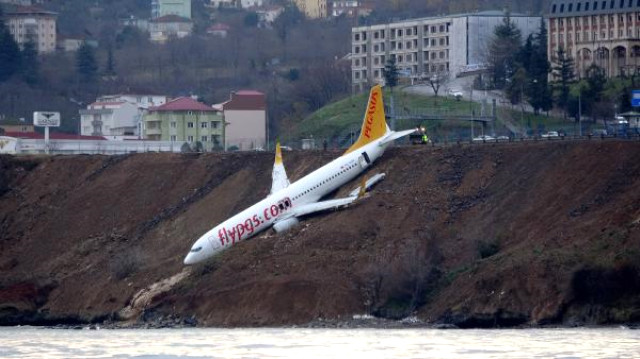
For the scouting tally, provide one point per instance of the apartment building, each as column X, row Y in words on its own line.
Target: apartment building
column 313, row 9
column 185, row 119
column 245, row 116
column 427, row 45
column 113, row 120
column 30, row 23
column 603, row 32
column 168, row 26
column 349, row 8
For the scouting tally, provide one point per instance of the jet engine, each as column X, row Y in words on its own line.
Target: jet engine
column 286, row 224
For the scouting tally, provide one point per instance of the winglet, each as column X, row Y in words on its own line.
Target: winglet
column 374, row 125
column 279, row 175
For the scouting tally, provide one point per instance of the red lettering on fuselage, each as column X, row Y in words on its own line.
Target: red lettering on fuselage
column 221, row 236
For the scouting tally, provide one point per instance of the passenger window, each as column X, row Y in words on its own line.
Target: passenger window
column 281, row 206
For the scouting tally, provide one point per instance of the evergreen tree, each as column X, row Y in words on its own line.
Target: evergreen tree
column 390, row 73
column 110, row 67
column 9, row 52
column 539, row 92
column 564, row 76
column 86, row 63
column 30, row 68
column 502, row 59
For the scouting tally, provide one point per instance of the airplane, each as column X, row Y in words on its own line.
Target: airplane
column 287, row 202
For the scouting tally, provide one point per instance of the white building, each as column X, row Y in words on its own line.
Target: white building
column 160, row 8
column 245, row 4
column 428, row 45
column 113, row 120
column 165, row 27
column 118, row 117
column 217, row 4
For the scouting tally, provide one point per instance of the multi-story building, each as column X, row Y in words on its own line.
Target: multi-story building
column 165, row 27
column 113, row 120
column 245, row 116
column 604, row 32
column 426, row 46
column 313, row 9
column 29, row 23
column 185, row 119
column 160, row 8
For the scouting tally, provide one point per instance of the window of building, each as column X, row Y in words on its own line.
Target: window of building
column 356, row 37
column 433, row 42
column 203, row 125
column 356, row 49
column 408, row 32
column 174, row 124
column 578, row 7
column 441, row 28
column 570, row 9
column 433, row 29
column 356, row 62
column 174, row 138
column 190, row 138
column 399, row 46
column 189, row 124
column 561, row 8
column 442, row 54
column 399, row 32
column 376, row 74
column 364, row 48
column 190, row 113
column 399, row 59
column 442, row 41
column 425, row 29
column 611, row 4
column 376, row 48
column 408, row 45
column 586, row 6
column 204, row 138
column 376, row 35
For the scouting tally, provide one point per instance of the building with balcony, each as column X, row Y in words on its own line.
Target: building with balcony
column 427, row 46
column 245, row 116
column 113, row 120
column 604, row 32
column 313, row 9
column 185, row 119
column 168, row 26
column 29, row 23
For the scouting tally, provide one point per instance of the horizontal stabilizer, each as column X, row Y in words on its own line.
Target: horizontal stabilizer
column 395, row 135
column 370, row 182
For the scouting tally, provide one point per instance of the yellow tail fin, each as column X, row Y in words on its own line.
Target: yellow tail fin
column 374, row 125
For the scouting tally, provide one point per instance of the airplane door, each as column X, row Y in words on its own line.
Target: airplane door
column 364, row 160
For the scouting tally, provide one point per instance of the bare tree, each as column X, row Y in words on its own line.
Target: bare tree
column 437, row 80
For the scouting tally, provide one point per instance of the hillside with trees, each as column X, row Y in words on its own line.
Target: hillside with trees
column 299, row 63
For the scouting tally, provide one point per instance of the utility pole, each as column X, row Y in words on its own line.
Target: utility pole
column 580, row 112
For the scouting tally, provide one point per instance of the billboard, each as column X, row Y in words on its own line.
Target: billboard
column 46, row 119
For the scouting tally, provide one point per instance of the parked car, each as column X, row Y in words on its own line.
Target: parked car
column 550, row 134
column 455, row 93
column 599, row 132
column 483, row 138
column 502, row 138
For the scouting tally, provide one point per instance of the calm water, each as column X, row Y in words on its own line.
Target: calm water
column 28, row 342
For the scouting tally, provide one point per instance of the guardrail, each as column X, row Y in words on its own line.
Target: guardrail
column 535, row 139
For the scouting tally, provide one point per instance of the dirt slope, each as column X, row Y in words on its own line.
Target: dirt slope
column 479, row 236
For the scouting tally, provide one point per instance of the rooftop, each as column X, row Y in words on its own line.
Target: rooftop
column 182, row 104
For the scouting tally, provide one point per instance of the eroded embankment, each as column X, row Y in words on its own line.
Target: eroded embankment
column 477, row 236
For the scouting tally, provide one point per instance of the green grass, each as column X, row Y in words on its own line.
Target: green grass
column 339, row 119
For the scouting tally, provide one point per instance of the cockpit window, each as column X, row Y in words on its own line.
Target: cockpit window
column 194, row 250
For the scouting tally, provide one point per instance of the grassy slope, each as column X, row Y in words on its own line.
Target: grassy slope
column 339, row 118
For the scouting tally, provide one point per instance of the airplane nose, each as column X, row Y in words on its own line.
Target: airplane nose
column 188, row 260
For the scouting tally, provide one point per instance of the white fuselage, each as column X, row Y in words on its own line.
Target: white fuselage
column 265, row 213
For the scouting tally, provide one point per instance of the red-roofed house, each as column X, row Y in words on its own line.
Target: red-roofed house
column 245, row 115
column 162, row 28
column 185, row 119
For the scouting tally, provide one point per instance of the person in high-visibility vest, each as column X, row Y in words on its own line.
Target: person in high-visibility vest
column 425, row 139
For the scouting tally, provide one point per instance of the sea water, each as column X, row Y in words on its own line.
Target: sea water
column 32, row 342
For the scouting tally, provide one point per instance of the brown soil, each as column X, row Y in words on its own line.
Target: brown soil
column 476, row 236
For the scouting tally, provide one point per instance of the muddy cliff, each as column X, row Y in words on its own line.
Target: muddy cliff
column 493, row 235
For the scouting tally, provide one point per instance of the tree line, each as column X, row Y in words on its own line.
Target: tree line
column 524, row 76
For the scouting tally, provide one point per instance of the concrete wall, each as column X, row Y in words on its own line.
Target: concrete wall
column 246, row 129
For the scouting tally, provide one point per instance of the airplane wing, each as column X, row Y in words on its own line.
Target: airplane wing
column 279, row 176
